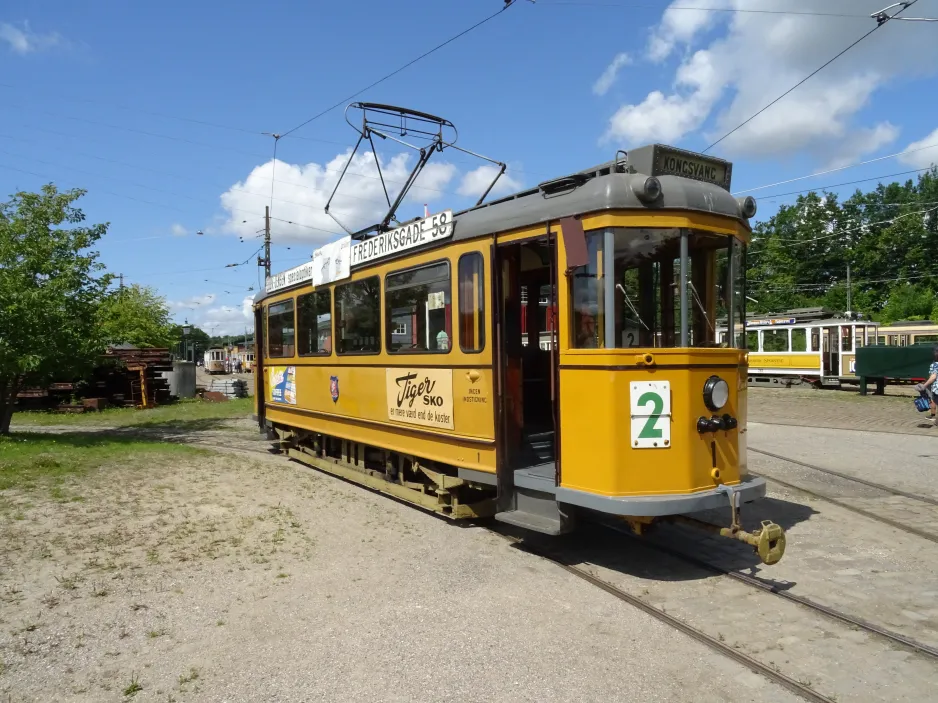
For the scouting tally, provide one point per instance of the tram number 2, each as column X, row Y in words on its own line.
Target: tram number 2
column 650, row 403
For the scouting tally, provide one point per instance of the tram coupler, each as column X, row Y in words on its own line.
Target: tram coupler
column 769, row 542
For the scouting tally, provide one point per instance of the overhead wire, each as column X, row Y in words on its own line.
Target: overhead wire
column 393, row 73
column 560, row 3
column 879, row 24
column 791, row 243
column 839, row 168
column 65, row 96
column 846, row 183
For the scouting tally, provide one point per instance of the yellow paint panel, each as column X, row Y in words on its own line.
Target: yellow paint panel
column 785, row 361
column 597, row 455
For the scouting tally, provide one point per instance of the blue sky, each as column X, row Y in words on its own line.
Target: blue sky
column 158, row 111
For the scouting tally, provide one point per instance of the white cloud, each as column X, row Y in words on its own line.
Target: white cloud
column 679, row 26
column 668, row 118
column 24, row 41
column 861, row 142
column 195, row 302
column 301, row 193
column 753, row 58
column 475, row 182
column 178, row 230
column 220, row 319
column 605, row 81
column 922, row 155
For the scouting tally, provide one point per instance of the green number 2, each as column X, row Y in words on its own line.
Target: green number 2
column 649, row 431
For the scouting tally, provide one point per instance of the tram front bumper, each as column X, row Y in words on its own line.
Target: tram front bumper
column 747, row 491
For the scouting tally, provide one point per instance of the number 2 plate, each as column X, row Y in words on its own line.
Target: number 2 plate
column 650, row 405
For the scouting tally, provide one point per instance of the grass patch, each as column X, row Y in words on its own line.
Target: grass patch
column 183, row 411
column 29, row 461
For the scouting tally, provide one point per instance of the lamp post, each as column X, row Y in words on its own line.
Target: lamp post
column 186, row 329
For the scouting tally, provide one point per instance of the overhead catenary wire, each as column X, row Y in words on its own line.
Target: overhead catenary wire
column 790, row 243
column 839, row 168
column 880, row 22
column 508, row 3
column 733, row 10
column 846, row 183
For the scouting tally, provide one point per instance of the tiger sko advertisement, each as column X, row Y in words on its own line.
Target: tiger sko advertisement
column 421, row 397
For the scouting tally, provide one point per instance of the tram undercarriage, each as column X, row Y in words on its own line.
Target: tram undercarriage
column 464, row 494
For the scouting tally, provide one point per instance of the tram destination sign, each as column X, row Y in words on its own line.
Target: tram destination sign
column 410, row 236
column 285, row 279
column 659, row 160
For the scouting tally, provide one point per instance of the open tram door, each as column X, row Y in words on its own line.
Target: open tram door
column 525, row 295
column 830, row 356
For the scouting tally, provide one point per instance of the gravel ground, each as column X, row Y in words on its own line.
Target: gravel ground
column 908, row 463
column 255, row 579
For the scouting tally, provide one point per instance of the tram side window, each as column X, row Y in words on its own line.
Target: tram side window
column 280, row 329
column 314, row 323
column 752, row 341
column 471, row 303
column 799, row 340
column 358, row 317
column 846, row 339
column 419, row 301
column 775, row 340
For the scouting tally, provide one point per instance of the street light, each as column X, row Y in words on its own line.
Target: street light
column 186, row 329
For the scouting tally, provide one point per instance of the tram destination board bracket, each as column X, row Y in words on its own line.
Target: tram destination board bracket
column 660, row 160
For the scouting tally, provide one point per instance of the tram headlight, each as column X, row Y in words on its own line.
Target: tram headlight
column 716, row 392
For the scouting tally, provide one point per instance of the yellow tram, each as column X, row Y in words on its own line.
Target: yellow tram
column 397, row 361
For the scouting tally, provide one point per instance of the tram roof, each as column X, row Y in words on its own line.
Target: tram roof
column 608, row 186
column 593, row 190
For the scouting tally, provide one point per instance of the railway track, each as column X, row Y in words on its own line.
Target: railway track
column 921, row 431
column 872, row 628
column 847, row 506
column 716, row 644
column 798, row 688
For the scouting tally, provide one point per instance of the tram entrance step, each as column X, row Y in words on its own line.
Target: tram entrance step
column 530, row 521
column 534, row 507
column 539, row 478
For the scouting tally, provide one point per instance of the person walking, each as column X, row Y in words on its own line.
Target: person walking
column 931, row 386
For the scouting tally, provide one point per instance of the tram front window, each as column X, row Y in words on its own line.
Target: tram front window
column 629, row 293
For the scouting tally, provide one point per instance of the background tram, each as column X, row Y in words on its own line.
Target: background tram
column 215, row 361
column 907, row 333
column 806, row 345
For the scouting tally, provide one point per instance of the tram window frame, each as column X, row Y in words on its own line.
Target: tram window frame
column 338, row 322
column 391, row 288
column 281, row 314
column 803, row 340
column 300, row 328
column 779, row 335
column 649, row 281
column 846, row 339
column 474, row 311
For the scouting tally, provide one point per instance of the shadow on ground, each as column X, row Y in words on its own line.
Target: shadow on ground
column 667, row 551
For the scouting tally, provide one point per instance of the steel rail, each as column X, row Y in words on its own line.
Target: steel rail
column 873, row 628
column 753, row 665
column 848, row 477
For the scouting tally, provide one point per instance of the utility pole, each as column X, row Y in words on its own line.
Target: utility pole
column 849, row 291
column 122, row 282
column 265, row 262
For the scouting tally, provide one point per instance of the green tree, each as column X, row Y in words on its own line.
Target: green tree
column 50, row 287
column 909, row 302
column 136, row 315
column 799, row 256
